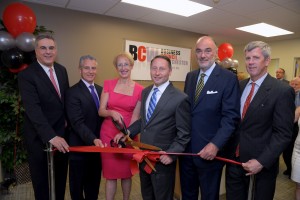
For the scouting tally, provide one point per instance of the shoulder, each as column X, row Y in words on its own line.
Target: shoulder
column 176, row 92
column 59, row 65
column 139, row 86
column 98, row 87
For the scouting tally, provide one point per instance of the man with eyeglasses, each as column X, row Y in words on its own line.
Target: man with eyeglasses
column 82, row 104
column 42, row 86
column 214, row 96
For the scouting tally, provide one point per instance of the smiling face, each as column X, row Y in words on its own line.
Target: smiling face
column 123, row 67
column 206, row 52
column 256, row 63
column 88, row 70
column 46, row 51
column 160, row 71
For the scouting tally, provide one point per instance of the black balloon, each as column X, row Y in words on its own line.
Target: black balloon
column 12, row 58
column 29, row 57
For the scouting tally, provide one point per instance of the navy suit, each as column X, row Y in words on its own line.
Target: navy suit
column 214, row 118
column 263, row 134
column 44, row 119
column 85, row 168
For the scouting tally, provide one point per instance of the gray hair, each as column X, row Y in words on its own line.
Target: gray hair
column 265, row 48
column 86, row 57
column 44, row 36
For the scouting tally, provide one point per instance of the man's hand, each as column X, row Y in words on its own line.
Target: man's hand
column 209, row 152
column 60, row 144
column 252, row 167
column 165, row 159
column 98, row 143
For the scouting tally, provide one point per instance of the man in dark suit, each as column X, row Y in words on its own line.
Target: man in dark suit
column 82, row 104
column 42, row 86
column 280, row 74
column 215, row 114
column 264, row 131
column 168, row 127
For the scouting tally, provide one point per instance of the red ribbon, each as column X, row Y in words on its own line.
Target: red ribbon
column 139, row 155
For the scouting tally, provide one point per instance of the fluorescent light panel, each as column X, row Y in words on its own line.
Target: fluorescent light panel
column 265, row 30
column 179, row 7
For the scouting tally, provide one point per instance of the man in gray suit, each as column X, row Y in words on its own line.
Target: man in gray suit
column 164, row 123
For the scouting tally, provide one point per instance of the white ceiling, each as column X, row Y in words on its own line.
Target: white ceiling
column 219, row 22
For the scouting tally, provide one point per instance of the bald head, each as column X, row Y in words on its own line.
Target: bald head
column 295, row 83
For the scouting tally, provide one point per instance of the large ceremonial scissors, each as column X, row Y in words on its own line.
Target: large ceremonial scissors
column 134, row 144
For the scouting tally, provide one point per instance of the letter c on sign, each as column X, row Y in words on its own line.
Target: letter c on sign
column 141, row 53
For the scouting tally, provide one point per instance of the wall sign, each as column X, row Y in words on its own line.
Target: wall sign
column 143, row 53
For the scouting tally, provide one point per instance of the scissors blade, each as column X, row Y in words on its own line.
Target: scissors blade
column 142, row 145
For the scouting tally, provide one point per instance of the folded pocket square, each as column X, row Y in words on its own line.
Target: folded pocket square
column 211, row 92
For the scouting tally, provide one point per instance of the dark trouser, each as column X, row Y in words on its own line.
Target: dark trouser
column 39, row 173
column 288, row 152
column 237, row 184
column 158, row 185
column 192, row 177
column 84, row 177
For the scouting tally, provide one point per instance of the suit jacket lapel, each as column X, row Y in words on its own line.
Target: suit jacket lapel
column 86, row 93
column 261, row 94
column 44, row 78
column 162, row 101
column 209, row 85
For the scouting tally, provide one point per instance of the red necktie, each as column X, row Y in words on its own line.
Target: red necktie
column 248, row 100
column 53, row 81
column 245, row 108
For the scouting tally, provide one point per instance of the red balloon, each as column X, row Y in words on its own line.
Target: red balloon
column 19, row 18
column 23, row 66
column 225, row 50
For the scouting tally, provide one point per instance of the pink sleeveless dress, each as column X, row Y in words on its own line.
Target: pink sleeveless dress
column 117, row 166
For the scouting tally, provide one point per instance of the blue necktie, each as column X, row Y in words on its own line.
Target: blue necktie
column 152, row 104
column 94, row 96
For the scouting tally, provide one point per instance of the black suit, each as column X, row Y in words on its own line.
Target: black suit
column 169, row 129
column 85, row 168
column 44, row 119
column 263, row 134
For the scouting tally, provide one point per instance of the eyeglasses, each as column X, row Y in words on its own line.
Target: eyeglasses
column 89, row 68
column 123, row 65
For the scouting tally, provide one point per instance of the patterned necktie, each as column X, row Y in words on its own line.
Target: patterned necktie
column 199, row 87
column 152, row 104
column 53, row 81
column 245, row 108
column 248, row 100
column 96, row 100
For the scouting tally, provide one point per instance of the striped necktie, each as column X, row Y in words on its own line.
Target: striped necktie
column 199, row 87
column 152, row 104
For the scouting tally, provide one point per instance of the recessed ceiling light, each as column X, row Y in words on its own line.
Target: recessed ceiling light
column 179, row 7
column 265, row 30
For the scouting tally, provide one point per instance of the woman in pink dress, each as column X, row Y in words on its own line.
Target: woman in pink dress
column 120, row 98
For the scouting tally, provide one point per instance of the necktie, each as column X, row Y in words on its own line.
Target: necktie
column 53, row 81
column 245, row 108
column 199, row 87
column 248, row 100
column 96, row 100
column 152, row 104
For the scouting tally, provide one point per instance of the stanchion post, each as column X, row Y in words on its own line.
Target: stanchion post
column 51, row 176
